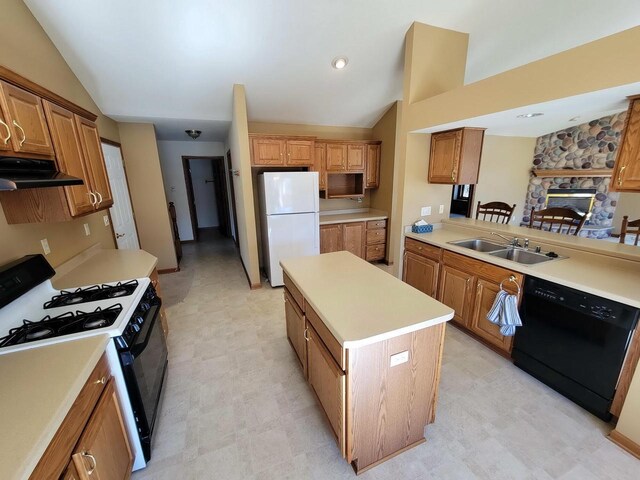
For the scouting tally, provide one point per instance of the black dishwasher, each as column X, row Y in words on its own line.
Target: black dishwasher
column 574, row 342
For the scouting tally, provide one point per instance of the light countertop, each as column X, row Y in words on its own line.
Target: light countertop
column 39, row 386
column 591, row 268
column 348, row 216
column 358, row 302
column 97, row 265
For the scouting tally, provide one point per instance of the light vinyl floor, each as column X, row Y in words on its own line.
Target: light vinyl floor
column 237, row 407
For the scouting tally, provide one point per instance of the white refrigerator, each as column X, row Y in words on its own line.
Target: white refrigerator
column 289, row 218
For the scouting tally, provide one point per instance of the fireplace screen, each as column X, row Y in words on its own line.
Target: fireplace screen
column 579, row 199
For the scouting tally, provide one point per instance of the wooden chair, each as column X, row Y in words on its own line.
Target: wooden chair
column 557, row 216
column 630, row 228
column 498, row 212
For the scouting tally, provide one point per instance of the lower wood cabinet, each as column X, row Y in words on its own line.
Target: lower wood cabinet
column 353, row 235
column 366, row 240
column 103, row 451
column 467, row 285
column 331, row 238
column 92, row 442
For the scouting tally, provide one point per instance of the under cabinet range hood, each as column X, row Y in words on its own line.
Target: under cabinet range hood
column 21, row 173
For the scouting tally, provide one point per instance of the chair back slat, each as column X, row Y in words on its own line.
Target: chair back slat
column 630, row 228
column 556, row 219
column 498, row 212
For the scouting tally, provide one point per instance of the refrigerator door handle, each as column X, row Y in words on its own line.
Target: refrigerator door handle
column 316, row 236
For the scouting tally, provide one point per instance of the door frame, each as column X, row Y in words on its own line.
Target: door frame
column 220, row 184
column 126, row 177
column 232, row 196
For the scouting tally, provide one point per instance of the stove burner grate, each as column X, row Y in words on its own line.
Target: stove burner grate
column 92, row 294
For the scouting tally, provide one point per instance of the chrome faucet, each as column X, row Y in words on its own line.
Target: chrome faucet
column 513, row 241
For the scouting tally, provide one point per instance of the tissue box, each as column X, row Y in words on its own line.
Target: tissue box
column 422, row 228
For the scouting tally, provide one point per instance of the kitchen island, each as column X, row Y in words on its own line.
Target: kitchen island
column 370, row 347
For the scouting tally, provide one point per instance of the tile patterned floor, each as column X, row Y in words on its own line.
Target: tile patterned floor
column 236, row 405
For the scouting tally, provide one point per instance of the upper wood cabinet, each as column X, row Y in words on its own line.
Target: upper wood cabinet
column 373, row 166
column 336, row 157
column 276, row 151
column 92, row 150
column 455, row 156
column 103, row 451
column 356, row 157
column 25, row 119
column 626, row 173
column 5, row 131
column 319, row 164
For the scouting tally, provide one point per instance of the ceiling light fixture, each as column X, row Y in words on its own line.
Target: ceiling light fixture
column 339, row 62
column 193, row 133
column 530, row 115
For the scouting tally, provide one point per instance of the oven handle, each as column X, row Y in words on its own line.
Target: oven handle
column 138, row 347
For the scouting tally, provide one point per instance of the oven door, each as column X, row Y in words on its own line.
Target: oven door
column 144, row 366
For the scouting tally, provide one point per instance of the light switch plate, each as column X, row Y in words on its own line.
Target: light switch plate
column 45, row 246
column 441, row 210
column 106, row 220
column 425, row 212
column 399, row 358
column 87, row 230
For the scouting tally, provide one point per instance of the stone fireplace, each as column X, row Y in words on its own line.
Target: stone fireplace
column 579, row 199
column 586, row 147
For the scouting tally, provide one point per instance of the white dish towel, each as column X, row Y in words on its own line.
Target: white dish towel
column 504, row 313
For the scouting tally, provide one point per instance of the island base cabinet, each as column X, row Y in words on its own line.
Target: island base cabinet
column 382, row 421
column 103, row 451
column 328, row 383
column 296, row 329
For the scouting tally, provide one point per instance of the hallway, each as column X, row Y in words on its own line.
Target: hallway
column 237, row 407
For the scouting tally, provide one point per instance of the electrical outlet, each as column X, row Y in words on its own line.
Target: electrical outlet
column 425, row 211
column 45, row 246
column 87, row 230
column 407, row 229
column 441, row 209
column 399, row 358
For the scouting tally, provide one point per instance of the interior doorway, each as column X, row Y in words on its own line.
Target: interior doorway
column 234, row 225
column 207, row 196
column 461, row 201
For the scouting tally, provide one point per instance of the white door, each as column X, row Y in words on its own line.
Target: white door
column 290, row 192
column 295, row 235
column 124, row 225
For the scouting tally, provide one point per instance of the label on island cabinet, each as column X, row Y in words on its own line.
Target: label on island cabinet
column 399, row 358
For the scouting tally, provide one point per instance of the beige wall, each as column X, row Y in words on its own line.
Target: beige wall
column 504, row 172
column 320, row 131
column 27, row 50
column 628, row 204
column 238, row 143
column 140, row 152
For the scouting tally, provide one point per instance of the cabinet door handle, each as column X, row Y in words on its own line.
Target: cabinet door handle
column 101, row 381
column 99, row 198
column 620, row 175
column 94, row 464
column 6, row 139
column 24, row 136
column 453, row 175
column 305, row 334
column 94, row 199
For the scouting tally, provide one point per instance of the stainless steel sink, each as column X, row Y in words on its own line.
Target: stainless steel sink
column 479, row 245
column 522, row 256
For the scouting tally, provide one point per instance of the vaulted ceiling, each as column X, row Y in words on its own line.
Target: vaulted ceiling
column 162, row 59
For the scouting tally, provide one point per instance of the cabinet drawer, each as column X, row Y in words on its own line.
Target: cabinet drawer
column 56, row 456
column 481, row 269
column 334, row 347
column 376, row 235
column 375, row 252
column 293, row 290
column 377, row 224
column 421, row 248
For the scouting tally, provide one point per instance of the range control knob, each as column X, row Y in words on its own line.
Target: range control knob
column 134, row 328
column 144, row 306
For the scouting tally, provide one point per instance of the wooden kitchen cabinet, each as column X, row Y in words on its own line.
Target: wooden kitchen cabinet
column 356, row 157
column 626, row 172
column 336, row 157
column 282, row 151
column 92, row 151
column 354, row 234
column 25, row 118
column 486, row 292
column 331, row 239
column 455, row 156
column 327, row 380
column 103, row 451
column 456, row 291
column 5, row 131
column 296, row 328
column 319, row 164
column 421, row 273
column 376, row 244
column 373, row 166
column 71, row 473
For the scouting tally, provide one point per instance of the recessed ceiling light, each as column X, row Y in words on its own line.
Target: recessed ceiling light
column 339, row 62
column 529, row 115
